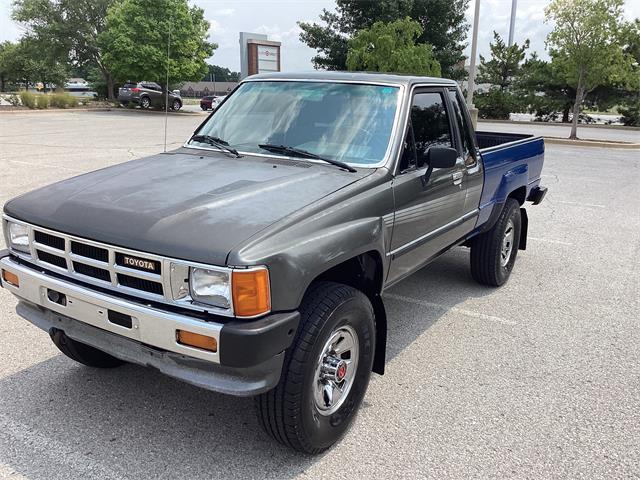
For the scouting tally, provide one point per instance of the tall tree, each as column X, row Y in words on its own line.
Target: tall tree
column 221, row 74
column 392, row 47
column 443, row 23
column 586, row 43
column 69, row 29
column 136, row 35
column 500, row 71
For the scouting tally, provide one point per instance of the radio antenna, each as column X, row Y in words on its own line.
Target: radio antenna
column 166, row 100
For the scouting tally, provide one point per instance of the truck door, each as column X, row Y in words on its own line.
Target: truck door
column 428, row 212
column 472, row 180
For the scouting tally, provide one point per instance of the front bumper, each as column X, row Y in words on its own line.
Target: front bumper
column 249, row 356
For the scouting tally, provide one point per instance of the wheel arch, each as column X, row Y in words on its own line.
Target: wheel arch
column 364, row 272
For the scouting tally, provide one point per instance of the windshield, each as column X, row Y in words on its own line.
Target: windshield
column 342, row 121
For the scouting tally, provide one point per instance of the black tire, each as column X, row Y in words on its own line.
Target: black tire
column 288, row 413
column 176, row 105
column 487, row 263
column 145, row 102
column 83, row 353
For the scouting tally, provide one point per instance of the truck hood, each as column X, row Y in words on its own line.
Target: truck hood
column 193, row 206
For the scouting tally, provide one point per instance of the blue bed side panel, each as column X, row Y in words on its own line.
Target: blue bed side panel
column 508, row 167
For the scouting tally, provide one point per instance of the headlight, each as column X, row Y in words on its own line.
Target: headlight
column 18, row 236
column 211, row 287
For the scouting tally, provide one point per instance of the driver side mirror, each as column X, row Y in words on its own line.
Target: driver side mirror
column 442, row 157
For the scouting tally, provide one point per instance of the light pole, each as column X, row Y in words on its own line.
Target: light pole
column 472, row 66
column 514, row 5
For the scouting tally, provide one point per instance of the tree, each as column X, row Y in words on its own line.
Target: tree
column 630, row 109
column 586, row 44
column 7, row 55
column 221, row 74
column 135, row 39
column 391, row 47
column 442, row 21
column 69, row 29
column 501, row 71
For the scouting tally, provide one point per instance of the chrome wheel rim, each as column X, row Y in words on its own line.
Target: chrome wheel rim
column 507, row 244
column 145, row 102
column 336, row 369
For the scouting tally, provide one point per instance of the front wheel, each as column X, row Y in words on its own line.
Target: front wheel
column 493, row 253
column 326, row 370
column 177, row 105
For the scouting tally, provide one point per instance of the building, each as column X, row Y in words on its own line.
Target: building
column 200, row 89
column 258, row 54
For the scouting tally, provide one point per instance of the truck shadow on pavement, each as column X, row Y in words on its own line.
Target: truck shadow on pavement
column 62, row 420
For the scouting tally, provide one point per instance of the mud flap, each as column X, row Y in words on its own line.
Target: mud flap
column 524, row 228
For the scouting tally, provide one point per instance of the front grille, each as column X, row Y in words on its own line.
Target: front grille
column 140, row 284
column 52, row 259
column 90, row 251
column 91, row 271
column 49, row 240
column 132, row 274
column 100, row 263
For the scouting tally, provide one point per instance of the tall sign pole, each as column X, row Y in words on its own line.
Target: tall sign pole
column 514, row 6
column 472, row 64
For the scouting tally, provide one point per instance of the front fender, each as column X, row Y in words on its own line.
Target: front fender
column 296, row 259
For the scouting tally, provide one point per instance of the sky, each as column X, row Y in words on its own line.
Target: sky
column 277, row 19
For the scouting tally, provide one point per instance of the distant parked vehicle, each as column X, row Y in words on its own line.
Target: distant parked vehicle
column 210, row 102
column 147, row 95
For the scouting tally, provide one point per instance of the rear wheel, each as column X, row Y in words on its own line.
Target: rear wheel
column 83, row 353
column 326, row 370
column 493, row 253
column 145, row 102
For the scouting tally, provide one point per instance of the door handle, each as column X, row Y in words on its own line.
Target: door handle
column 457, row 177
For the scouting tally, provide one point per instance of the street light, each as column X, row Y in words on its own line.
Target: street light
column 472, row 66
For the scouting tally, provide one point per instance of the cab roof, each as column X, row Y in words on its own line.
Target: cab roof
column 366, row 77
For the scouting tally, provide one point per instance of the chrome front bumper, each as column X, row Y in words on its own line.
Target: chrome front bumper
column 149, row 325
column 251, row 364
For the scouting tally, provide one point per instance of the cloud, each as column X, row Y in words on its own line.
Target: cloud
column 224, row 12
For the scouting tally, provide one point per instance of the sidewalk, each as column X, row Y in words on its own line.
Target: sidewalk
column 562, row 131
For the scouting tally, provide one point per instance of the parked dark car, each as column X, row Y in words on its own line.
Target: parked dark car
column 147, row 95
column 210, row 102
column 252, row 260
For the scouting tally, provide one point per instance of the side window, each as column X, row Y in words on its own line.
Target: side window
column 408, row 159
column 468, row 148
column 430, row 124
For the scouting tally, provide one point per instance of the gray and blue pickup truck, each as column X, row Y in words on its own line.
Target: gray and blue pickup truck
column 252, row 260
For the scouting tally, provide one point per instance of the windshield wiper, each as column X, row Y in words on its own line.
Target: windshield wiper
column 298, row 152
column 216, row 142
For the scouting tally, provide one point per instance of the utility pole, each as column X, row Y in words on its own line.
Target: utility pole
column 514, row 5
column 472, row 65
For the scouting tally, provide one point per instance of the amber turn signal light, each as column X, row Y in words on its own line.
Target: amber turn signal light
column 10, row 278
column 196, row 340
column 251, row 295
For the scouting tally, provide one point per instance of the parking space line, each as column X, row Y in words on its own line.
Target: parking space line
column 548, row 240
column 462, row 311
column 580, row 204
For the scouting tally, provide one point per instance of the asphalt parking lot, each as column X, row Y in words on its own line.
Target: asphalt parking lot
column 538, row 379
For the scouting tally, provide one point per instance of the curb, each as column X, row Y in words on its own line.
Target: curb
column 98, row 109
column 590, row 143
column 556, row 124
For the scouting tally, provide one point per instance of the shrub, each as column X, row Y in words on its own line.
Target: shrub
column 63, row 100
column 42, row 101
column 28, row 99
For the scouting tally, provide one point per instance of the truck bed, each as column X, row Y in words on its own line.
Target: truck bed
column 510, row 160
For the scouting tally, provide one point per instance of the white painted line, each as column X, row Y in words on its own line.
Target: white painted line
column 38, row 164
column 548, row 240
column 580, row 204
column 462, row 311
column 33, row 443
